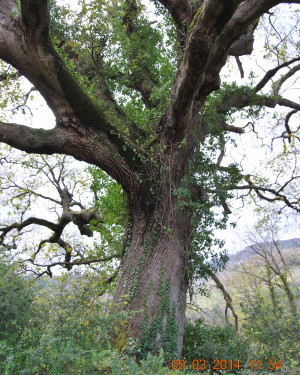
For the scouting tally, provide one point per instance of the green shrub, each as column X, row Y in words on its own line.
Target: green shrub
column 202, row 341
column 16, row 295
column 273, row 334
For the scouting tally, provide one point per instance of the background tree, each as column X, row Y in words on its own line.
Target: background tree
column 268, row 311
column 15, row 306
column 136, row 104
column 273, row 268
column 265, row 292
column 61, row 188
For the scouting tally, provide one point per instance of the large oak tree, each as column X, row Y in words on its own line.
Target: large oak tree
column 136, row 103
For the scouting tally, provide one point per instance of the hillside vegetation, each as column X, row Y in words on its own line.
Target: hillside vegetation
column 211, row 305
column 263, row 282
column 66, row 326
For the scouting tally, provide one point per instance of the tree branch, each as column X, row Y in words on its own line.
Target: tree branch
column 81, row 219
column 228, row 301
column 280, row 82
column 240, row 66
column 285, row 103
column 239, row 100
column 195, row 79
column 226, row 296
column 180, row 10
column 278, row 195
column 271, row 73
column 24, row 224
column 80, row 143
column 243, row 46
column 288, row 133
column 25, row 44
column 77, row 262
column 232, row 128
column 213, row 31
column 36, row 18
column 69, row 265
column 55, row 173
column 141, row 79
column 97, row 76
column 9, row 76
column 286, row 124
column 31, row 140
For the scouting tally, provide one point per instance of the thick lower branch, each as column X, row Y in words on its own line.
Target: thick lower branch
column 29, row 139
column 26, row 45
column 24, row 224
column 240, row 100
column 81, row 143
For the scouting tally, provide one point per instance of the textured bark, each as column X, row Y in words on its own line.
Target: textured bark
column 154, row 277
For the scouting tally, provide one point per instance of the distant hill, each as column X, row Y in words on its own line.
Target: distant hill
column 249, row 251
column 212, row 309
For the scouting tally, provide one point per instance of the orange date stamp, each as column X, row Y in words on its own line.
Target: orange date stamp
column 222, row 364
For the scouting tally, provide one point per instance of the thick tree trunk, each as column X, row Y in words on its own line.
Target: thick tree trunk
column 154, row 278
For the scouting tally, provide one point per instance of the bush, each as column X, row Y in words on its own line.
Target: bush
column 16, row 295
column 273, row 334
column 202, row 341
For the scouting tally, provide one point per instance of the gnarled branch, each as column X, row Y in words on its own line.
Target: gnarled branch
column 25, row 44
column 271, row 73
column 278, row 195
column 280, row 82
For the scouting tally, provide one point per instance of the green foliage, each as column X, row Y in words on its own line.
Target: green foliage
column 207, row 213
column 220, row 99
column 100, row 48
column 268, row 324
column 281, row 41
column 109, row 197
column 16, row 295
column 105, row 45
column 112, row 202
column 13, row 94
column 202, row 341
column 150, row 365
column 216, row 185
column 63, row 327
column 59, row 330
column 272, row 334
column 98, row 37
